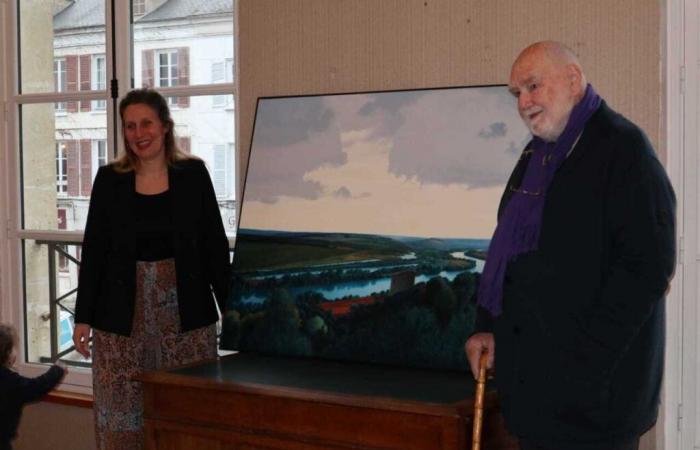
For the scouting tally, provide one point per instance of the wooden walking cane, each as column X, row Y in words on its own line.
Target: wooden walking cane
column 479, row 402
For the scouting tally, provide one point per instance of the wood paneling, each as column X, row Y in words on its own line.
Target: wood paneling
column 209, row 406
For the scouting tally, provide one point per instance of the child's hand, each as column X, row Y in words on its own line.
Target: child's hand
column 63, row 366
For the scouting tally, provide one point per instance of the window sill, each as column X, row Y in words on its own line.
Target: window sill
column 69, row 398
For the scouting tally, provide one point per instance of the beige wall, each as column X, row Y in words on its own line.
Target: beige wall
column 290, row 47
column 51, row 426
column 321, row 46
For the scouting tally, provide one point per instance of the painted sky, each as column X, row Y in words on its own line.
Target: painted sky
column 429, row 163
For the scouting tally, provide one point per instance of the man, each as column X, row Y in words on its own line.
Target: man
column 571, row 300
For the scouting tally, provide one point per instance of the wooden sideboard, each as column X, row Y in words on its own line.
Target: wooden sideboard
column 250, row 402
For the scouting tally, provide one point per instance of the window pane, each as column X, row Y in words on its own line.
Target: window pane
column 59, row 78
column 99, row 79
column 177, row 42
column 139, row 7
column 51, row 277
column 208, row 133
column 61, row 172
column 57, row 164
column 77, row 29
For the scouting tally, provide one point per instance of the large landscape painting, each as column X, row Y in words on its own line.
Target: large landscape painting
column 365, row 223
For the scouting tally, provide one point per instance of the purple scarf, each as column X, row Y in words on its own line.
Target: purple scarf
column 518, row 229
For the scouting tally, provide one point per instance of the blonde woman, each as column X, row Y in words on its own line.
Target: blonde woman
column 155, row 258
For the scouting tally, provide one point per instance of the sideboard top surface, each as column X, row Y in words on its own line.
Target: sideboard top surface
column 345, row 379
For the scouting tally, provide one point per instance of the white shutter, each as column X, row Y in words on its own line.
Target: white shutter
column 220, row 170
column 218, row 75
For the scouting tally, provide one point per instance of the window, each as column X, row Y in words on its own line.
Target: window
column 69, row 58
column 61, row 170
column 99, row 155
column 99, row 79
column 166, row 68
column 167, row 71
column 222, row 72
column 59, row 82
column 62, row 249
column 62, row 258
column 138, row 7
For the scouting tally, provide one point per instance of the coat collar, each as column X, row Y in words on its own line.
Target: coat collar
column 590, row 132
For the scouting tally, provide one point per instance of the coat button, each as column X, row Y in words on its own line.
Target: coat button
column 516, row 330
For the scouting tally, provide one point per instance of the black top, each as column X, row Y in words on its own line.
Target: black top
column 153, row 227
column 15, row 392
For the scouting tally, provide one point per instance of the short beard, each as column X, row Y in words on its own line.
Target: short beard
column 553, row 134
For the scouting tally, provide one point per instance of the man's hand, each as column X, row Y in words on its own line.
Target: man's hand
column 475, row 346
column 81, row 339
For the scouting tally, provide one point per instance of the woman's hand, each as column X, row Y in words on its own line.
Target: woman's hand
column 81, row 339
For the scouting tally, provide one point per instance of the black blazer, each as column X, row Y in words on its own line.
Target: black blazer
column 580, row 342
column 107, row 281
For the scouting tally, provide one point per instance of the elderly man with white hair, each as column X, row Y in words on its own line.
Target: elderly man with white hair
column 571, row 299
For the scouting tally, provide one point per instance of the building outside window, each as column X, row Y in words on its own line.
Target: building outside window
column 59, row 82
column 138, row 7
column 99, row 155
column 167, row 71
column 62, row 259
column 220, row 171
column 222, row 72
column 99, row 79
column 61, row 169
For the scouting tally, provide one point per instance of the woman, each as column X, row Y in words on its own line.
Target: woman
column 154, row 249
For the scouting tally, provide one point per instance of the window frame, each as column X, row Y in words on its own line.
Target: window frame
column 13, row 233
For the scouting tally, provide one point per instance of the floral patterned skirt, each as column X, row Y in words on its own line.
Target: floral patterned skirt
column 155, row 343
